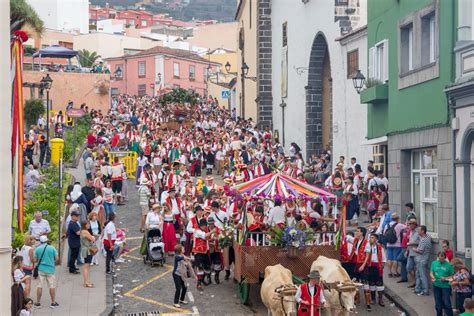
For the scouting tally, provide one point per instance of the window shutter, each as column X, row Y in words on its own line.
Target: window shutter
column 385, row 61
column 371, row 67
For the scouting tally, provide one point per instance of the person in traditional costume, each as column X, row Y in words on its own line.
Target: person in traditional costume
column 169, row 231
column 310, row 296
column 201, row 236
column 351, row 194
column 291, row 210
column 373, row 269
column 215, row 252
column 176, row 207
column 174, row 153
column 360, row 251
column 193, row 224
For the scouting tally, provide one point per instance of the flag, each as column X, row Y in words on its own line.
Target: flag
column 17, row 136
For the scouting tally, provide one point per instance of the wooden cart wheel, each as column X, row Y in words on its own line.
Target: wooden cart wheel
column 244, row 291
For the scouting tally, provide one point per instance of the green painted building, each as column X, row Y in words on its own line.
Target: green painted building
column 410, row 63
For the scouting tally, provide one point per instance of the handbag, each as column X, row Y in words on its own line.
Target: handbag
column 370, row 205
column 93, row 250
column 35, row 270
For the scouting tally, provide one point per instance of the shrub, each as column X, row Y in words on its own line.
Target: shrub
column 47, row 197
column 32, row 111
column 83, row 126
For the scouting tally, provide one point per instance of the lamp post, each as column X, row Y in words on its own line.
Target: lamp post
column 46, row 83
column 358, row 80
column 283, row 106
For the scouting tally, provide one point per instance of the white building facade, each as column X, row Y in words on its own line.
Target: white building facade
column 63, row 15
column 314, row 102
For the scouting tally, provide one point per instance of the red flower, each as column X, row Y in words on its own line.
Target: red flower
column 21, row 35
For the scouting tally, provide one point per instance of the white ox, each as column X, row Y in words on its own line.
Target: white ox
column 341, row 294
column 278, row 292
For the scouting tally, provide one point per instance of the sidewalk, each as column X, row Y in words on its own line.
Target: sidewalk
column 72, row 297
column 406, row 299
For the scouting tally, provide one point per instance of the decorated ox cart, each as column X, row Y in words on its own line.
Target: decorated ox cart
column 254, row 251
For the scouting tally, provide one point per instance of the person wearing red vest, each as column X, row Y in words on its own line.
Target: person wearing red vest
column 176, row 206
column 310, row 296
column 373, row 269
column 214, row 250
column 193, row 224
column 201, row 252
column 360, row 251
column 347, row 245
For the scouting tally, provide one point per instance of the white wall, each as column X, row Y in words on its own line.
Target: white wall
column 349, row 117
column 63, row 14
column 110, row 26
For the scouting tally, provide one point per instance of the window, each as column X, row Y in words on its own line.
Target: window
column 176, row 70
column 142, row 89
column 206, row 74
column 141, row 69
column 114, row 91
column 131, row 22
column 428, row 39
column 285, row 34
column 144, row 23
column 379, row 153
column 406, row 48
column 425, row 188
column 352, row 63
column 118, row 71
column 378, row 61
column 192, row 72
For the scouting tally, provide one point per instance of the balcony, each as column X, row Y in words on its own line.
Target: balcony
column 375, row 94
column 464, row 54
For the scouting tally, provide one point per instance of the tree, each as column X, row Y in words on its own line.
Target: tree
column 33, row 109
column 21, row 14
column 87, row 59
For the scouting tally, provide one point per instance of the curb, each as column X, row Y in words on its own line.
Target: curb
column 399, row 302
column 109, row 298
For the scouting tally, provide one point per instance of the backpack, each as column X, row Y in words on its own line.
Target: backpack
column 390, row 234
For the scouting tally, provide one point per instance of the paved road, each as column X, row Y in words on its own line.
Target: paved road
column 142, row 288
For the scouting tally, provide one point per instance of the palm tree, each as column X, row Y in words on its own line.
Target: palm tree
column 21, row 14
column 87, row 59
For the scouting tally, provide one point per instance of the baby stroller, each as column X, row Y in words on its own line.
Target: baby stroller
column 155, row 248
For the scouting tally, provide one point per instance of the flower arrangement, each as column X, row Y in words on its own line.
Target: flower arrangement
column 290, row 236
column 226, row 235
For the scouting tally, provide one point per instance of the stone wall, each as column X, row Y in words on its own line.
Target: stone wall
column 399, row 172
column 264, row 62
column 77, row 87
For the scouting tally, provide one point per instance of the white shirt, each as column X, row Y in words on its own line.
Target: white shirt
column 153, row 220
column 110, row 229
column 219, row 218
column 379, row 229
column 311, row 289
column 37, row 229
column 142, row 161
column 276, row 216
column 374, row 254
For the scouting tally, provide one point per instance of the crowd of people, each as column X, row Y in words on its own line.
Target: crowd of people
column 179, row 196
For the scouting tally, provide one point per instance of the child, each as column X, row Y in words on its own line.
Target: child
column 180, row 272
column 19, row 276
column 27, row 306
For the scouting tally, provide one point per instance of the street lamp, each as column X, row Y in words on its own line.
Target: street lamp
column 118, row 73
column 245, row 69
column 227, row 67
column 46, row 83
column 159, row 78
column 358, row 80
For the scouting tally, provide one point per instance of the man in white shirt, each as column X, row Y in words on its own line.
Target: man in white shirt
column 218, row 215
column 276, row 216
column 39, row 226
column 310, row 296
column 110, row 235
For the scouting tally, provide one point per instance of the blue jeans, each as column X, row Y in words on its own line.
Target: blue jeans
column 421, row 275
column 460, row 297
column 403, row 263
column 109, row 209
column 411, row 264
column 442, row 298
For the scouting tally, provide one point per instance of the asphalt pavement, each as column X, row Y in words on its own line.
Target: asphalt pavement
column 140, row 288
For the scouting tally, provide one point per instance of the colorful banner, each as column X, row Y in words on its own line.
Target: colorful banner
column 17, row 124
column 282, row 185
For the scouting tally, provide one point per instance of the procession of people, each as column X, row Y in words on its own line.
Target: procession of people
column 189, row 159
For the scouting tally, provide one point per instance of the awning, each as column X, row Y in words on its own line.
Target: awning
column 375, row 141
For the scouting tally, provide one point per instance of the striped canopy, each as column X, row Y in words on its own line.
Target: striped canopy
column 277, row 184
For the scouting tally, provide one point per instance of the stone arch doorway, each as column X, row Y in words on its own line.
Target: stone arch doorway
column 467, row 187
column 319, row 99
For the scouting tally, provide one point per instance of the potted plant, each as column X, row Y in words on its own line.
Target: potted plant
column 292, row 238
